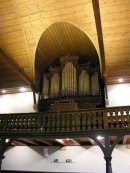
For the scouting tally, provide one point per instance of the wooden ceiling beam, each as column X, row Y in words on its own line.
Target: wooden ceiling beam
column 17, row 143
column 66, row 142
column 28, row 141
column 18, row 69
column 91, row 141
column 97, row 16
column 45, row 142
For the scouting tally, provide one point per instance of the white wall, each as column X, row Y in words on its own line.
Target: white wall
column 16, row 103
column 84, row 159
column 119, row 94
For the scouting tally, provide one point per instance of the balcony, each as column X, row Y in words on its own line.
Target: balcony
column 80, row 123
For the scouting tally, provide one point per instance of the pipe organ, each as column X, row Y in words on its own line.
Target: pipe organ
column 55, row 83
column 84, row 83
column 73, row 79
column 69, row 81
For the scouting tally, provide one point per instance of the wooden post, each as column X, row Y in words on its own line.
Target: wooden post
column 1, row 158
column 108, row 164
column 2, row 150
column 3, row 146
column 107, row 149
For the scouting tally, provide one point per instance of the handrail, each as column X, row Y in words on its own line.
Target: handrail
column 98, row 119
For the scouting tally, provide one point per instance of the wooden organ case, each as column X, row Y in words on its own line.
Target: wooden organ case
column 75, row 83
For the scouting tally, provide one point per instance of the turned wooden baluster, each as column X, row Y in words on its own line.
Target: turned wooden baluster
column 84, row 120
column 62, row 122
column 78, row 122
column 43, row 124
column 68, row 122
column 117, row 119
column 100, row 120
column 94, row 120
column 89, row 122
column 73, row 122
column 122, row 119
column 53, row 122
column 48, row 125
column 112, row 120
column 58, row 122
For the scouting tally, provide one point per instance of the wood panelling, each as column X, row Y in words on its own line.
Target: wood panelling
column 22, row 23
column 62, row 38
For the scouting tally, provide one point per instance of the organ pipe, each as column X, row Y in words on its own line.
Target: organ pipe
column 95, row 84
column 66, row 80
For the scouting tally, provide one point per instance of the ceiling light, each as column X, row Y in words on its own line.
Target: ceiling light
column 3, row 91
column 120, row 80
column 7, row 140
column 99, row 137
column 22, row 89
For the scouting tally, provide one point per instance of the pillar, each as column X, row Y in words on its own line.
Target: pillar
column 107, row 149
column 3, row 146
column 1, row 158
column 108, row 164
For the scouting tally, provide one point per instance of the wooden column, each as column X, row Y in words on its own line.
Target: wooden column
column 3, row 147
column 1, row 158
column 108, row 164
column 107, row 149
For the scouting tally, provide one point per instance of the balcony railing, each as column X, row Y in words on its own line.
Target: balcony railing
column 91, row 120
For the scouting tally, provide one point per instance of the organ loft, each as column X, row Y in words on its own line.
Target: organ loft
column 72, row 82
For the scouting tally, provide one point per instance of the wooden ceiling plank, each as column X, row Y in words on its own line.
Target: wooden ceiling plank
column 19, row 69
column 30, row 141
column 66, row 26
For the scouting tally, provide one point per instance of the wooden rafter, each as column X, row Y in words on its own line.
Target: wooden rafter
column 18, row 69
column 97, row 16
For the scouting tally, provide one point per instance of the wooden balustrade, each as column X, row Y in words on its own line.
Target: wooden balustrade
column 99, row 119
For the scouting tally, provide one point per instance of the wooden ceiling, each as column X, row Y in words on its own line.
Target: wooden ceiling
column 66, row 141
column 35, row 33
column 60, row 39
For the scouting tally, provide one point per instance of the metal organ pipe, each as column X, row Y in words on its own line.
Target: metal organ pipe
column 95, row 84
column 69, row 83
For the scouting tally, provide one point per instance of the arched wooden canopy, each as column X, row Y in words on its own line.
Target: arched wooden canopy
column 59, row 39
